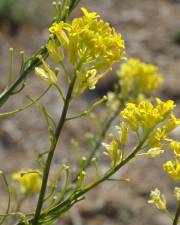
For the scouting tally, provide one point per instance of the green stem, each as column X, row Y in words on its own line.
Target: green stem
column 103, row 133
column 105, row 177
column 31, row 64
column 52, row 150
column 9, row 197
column 99, row 141
column 176, row 218
column 6, row 114
column 66, row 204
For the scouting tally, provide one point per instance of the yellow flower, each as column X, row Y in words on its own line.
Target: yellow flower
column 123, row 132
column 91, row 45
column 157, row 138
column 137, row 78
column 57, row 29
column 157, row 199
column 173, row 169
column 177, row 193
column 128, row 115
column 30, row 180
column 46, row 73
column 113, row 152
column 165, row 108
column 171, row 124
column 175, row 146
column 87, row 79
column 145, row 116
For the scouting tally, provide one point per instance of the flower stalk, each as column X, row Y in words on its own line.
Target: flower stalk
column 52, row 150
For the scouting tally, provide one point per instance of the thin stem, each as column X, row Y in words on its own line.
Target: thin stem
column 176, row 218
column 66, row 73
column 88, row 110
column 9, row 197
column 11, row 64
column 99, row 141
column 6, row 114
column 60, row 92
column 63, row 206
column 105, row 177
column 52, row 150
column 169, row 214
column 30, row 64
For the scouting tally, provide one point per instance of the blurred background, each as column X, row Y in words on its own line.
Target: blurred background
column 151, row 30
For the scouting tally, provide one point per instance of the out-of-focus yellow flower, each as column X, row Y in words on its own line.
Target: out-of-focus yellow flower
column 91, row 44
column 173, row 169
column 175, row 146
column 165, row 108
column 177, row 193
column 30, row 180
column 113, row 152
column 157, row 199
column 123, row 132
column 46, row 73
column 137, row 78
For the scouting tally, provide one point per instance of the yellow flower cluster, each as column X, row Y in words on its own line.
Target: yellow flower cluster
column 138, row 78
column 92, row 47
column 30, row 180
column 175, row 147
column 158, row 199
column 173, row 169
column 145, row 116
column 152, row 123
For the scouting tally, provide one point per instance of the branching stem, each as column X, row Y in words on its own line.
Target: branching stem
column 52, row 150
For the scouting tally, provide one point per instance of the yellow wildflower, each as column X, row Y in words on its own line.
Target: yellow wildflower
column 137, row 78
column 157, row 199
column 173, row 169
column 177, row 193
column 46, row 73
column 128, row 115
column 91, row 45
column 175, row 146
column 30, row 180
column 123, row 132
column 113, row 152
column 145, row 115
column 158, row 137
column 165, row 108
